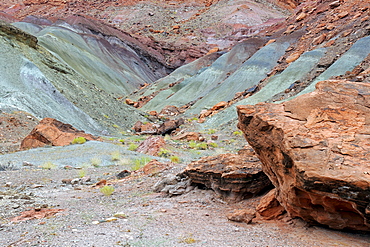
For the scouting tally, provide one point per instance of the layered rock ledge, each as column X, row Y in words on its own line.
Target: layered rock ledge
column 233, row 176
column 315, row 150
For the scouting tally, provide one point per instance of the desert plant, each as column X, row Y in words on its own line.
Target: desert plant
column 107, row 190
column 48, row 165
column 115, row 155
column 79, row 140
column 163, row 152
column 192, row 144
column 175, row 159
column 132, row 147
column 238, row 133
column 140, row 163
column 202, row 146
column 213, row 144
column 211, row 131
column 95, row 162
column 82, row 173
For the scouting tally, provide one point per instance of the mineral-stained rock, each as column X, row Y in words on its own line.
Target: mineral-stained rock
column 151, row 145
column 315, row 149
column 189, row 136
column 269, row 207
column 242, row 215
column 154, row 166
column 235, row 177
column 169, row 126
column 53, row 132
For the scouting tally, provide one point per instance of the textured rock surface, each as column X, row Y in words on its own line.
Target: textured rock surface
column 269, row 207
column 151, row 145
column 180, row 30
column 53, row 132
column 235, row 177
column 315, row 151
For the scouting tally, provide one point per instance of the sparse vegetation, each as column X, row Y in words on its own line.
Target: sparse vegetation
column 107, row 190
column 211, row 131
column 213, row 144
column 82, row 173
column 96, row 162
column 140, row 163
column 164, row 152
column 133, row 147
column 202, row 146
column 79, row 140
column 238, row 133
column 115, row 155
column 48, row 165
column 193, row 119
column 175, row 159
column 199, row 146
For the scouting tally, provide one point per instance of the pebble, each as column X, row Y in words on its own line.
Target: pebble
column 120, row 215
column 111, row 219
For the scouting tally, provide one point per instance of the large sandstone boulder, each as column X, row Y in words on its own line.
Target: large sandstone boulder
column 234, row 176
column 315, row 149
column 53, row 132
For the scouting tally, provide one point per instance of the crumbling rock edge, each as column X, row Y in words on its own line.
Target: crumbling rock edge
column 314, row 149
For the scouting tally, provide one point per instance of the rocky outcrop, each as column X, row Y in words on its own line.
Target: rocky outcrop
column 234, row 176
column 315, row 150
column 158, row 129
column 152, row 145
column 269, row 207
column 53, row 132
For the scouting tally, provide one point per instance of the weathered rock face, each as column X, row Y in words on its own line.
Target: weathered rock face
column 269, row 207
column 235, row 177
column 315, row 149
column 53, row 132
column 151, row 145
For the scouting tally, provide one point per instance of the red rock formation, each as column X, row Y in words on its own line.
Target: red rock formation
column 151, row 145
column 315, row 149
column 53, row 132
column 189, row 136
column 235, row 177
column 269, row 207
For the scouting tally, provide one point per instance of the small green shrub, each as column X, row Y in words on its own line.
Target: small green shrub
column 202, row 146
column 140, row 163
column 175, row 159
column 115, row 155
column 121, row 141
column 48, row 165
column 211, row 131
column 238, row 133
column 213, row 144
column 132, row 147
column 192, row 144
column 79, row 140
column 115, row 126
column 199, row 146
column 107, row 190
column 96, row 162
column 164, row 152
column 82, row 173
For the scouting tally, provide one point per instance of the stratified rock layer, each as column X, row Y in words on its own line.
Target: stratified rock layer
column 53, row 132
column 315, row 149
column 234, row 177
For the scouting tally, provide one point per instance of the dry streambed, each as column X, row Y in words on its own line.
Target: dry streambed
column 134, row 215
